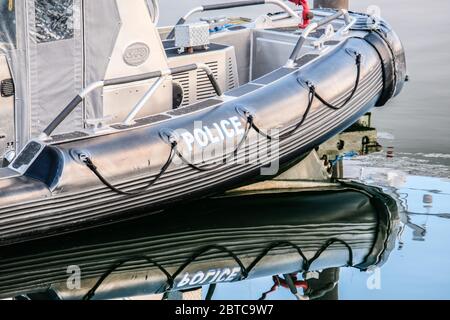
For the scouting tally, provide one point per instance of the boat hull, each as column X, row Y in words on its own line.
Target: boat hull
column 55, row 191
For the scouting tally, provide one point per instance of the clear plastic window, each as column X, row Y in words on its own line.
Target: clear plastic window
column 54, row 20
column 7, row 22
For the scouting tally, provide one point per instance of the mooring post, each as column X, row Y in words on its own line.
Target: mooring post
column 335, row 4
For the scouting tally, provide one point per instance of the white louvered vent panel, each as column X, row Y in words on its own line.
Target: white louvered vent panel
column 231, row 78
column 196, row 85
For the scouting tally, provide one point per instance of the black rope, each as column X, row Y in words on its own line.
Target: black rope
column 258, row 130
column 245, row 271
column 248, row 127
column 202, row 251
column 350, row 97
column 211, row 290
column 313, row 94
column 175, row 152
column 88, row 162
column 273, row 246
column 91, row 293
column 250, row 124
column 276, row 284
column 328, row 244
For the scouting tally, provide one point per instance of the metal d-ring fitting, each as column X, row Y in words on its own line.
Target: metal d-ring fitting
column 307, row 84
column 79, row 156
column 310, row 85
column 169, row 136
column 244, row 113
column 354, row 53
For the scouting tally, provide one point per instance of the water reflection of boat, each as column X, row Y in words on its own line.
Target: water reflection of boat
column 418, row 197
column 222, row 240
column 323, row 285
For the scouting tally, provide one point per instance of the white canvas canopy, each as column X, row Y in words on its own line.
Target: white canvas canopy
column 55, row 48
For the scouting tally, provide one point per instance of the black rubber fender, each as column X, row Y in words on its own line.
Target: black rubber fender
column 388, row 66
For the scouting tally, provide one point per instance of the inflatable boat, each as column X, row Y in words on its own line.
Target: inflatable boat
column 103, row 118
column 223, row 240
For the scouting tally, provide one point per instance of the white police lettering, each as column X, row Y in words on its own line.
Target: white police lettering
column 224, row 275
column 197, row 278
column 201, row 137
column 185, row 281
column 237, row 125
column 215, row 133
column 225, row 124
column 234, row 274
column 211, row 276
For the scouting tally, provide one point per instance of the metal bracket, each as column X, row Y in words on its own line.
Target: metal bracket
column 329, row 34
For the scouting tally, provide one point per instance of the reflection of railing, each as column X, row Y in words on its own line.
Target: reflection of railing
column 154, row 255
column 159, row 75
column 419, row 232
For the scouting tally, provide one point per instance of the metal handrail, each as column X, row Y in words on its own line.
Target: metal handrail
column 160, row 75
column 156, row 15
column 229, row 5
column 315, row 25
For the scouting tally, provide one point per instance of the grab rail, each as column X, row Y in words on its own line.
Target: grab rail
column 229, row 5
column 155, row 16
column 160, row 75
column 315, row 25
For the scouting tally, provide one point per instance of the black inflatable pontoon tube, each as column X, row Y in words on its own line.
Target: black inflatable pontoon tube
column 229, row 5
column 124, row 80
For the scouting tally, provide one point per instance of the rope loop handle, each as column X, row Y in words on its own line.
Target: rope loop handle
column 358, row 61
column 249, row 125
column 313, row 95
column 245, row 271
column 170, row 138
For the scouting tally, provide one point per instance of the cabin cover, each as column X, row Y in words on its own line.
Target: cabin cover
column 57, row 47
